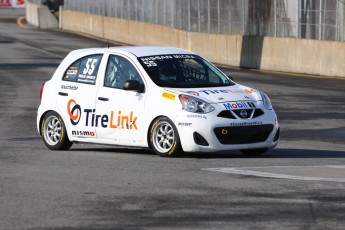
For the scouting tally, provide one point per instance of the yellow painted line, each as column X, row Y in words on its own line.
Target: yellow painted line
column 20, row 22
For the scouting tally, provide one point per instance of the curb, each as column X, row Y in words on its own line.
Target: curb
column 21, row 23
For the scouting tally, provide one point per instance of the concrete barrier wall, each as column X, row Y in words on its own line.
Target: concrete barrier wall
column 46, row 19
column 31, row 12
column 267, row 53
column 40, row 16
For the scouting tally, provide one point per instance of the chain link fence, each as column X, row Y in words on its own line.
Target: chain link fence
column 313, row 19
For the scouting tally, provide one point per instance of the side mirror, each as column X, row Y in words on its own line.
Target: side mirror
column 133, row 85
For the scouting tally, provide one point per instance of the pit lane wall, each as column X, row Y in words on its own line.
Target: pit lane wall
column 293, row 55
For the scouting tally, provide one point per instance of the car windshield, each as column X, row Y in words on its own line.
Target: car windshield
column 183, row 71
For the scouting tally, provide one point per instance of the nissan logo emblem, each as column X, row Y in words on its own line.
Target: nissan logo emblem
column 243, row 113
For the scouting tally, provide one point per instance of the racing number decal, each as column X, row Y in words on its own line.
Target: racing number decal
column 87, row 72
column 90, row 66
column 150, row 63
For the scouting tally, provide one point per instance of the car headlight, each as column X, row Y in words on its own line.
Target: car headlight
column 195, row 105
column 266, row 100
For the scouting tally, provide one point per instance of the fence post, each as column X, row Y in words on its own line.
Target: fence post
column 275, row 17
column 60, row 17
column 337, row 28
column 320, row 20
column 189, row 16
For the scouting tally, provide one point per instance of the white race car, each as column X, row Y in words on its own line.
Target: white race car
column 167, row 99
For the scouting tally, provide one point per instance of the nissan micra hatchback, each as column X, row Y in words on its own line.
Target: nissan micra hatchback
column 167, row 99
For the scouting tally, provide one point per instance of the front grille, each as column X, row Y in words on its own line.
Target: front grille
column 257, row 113
column 251, row 113
column 226, row 114
column 243, row 134
column 243, row 113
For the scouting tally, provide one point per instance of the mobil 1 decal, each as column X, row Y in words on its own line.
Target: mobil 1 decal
column 238, row 105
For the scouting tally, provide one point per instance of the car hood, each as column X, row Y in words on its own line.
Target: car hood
column 221, row 94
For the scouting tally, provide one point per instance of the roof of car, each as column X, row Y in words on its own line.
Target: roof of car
column 139, row 51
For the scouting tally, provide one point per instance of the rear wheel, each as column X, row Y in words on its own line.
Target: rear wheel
column 53, row 131
column 253, row 152
column 164, row 138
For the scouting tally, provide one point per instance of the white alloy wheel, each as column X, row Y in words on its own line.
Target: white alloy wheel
column 54, row 133
column 164, row 138
column 52, row 130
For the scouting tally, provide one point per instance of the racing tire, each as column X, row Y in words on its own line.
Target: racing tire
column 53, row 131
column 164, row 138
column 253, row 152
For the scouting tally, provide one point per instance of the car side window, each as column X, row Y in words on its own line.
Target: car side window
column 119, row 70
column 84, row 70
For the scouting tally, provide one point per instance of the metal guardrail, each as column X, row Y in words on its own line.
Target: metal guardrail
column 313, row 19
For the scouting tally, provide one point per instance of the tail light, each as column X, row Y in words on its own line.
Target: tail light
column 41, row 91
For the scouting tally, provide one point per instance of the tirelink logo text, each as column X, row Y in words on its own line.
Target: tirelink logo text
column 114, row 121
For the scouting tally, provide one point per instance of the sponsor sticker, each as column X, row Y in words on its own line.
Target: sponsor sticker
column 86, row 81
column 169, row 96
column 152, row 61
column 113, row 120
column 238, row 105
column 70, row 87
column 246, row 123
column 196, row 116
column 184, row 124
column 221, row 91
column 72, row 72
column 159, row 57
column 183, row 56
column 74, row 111
column 80, row 133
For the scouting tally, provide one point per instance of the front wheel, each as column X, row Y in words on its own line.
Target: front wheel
column 253, row 152
column 53, row 131
column 164, row 138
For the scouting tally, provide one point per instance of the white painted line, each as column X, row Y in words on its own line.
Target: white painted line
column 244, row 171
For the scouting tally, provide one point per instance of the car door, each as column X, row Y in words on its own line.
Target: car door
column 121, row 111
column 77, row 94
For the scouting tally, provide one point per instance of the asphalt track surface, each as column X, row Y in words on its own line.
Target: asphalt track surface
column 298, row 185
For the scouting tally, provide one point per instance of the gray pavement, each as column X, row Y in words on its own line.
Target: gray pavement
column 299, row 185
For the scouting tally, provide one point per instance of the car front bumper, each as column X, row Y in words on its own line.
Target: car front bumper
column 207, row 133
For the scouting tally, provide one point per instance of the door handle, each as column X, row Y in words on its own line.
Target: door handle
column 63, row 94
column 103, row 99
